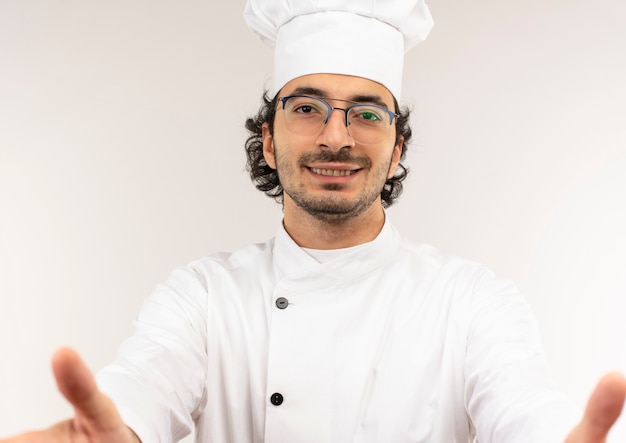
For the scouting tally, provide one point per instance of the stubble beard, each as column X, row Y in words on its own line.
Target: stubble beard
column 333, row 208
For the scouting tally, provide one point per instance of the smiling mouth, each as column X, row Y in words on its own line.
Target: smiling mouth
column 334, row 172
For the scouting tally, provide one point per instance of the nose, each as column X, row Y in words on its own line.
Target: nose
column 335, row 133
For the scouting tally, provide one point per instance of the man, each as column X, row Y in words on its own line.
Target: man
column 338, row 329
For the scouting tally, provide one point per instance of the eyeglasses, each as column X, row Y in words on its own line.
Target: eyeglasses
column 366, row 123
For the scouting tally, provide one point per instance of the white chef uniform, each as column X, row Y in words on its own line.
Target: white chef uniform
column 389, row 342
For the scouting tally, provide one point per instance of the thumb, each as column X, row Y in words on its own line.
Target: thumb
column 78, row 386
column 603, row 409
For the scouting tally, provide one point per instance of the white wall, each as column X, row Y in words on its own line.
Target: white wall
column 121, row 157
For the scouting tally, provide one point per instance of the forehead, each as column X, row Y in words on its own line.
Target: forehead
column 340, row 86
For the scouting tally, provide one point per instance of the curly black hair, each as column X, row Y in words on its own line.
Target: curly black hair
column 266, row 179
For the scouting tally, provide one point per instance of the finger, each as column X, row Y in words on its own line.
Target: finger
column 604, row 407
column 78, row 386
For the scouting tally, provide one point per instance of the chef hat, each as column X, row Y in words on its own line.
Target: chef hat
column 364, row 38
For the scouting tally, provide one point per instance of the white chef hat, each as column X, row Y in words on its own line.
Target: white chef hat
column 364, row 38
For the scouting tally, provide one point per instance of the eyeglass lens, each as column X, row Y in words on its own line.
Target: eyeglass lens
column 307, row 115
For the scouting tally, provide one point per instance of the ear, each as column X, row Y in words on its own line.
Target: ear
column 268, row 146
column 395, row 157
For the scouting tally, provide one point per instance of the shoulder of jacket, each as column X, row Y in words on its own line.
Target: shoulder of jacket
column 251, row 255
column 444, row 261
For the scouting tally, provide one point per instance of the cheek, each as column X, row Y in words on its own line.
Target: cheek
column 277, row 157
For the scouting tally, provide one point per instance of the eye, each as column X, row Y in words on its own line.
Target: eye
column 367, row 114
column 305, row 106
column 304, row 109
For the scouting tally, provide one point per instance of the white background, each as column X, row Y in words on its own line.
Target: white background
column 121, row 157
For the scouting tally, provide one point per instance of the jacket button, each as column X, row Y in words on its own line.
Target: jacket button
column 276, row 399
column 282, row 302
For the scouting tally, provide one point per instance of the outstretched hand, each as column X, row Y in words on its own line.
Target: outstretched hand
column 603, row 409
column 95, row 418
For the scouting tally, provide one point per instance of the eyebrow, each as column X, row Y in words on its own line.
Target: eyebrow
column 359, row 98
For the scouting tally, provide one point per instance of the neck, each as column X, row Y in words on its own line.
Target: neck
column 309, row 231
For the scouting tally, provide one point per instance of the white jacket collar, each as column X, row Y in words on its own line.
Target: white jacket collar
column 299, row 272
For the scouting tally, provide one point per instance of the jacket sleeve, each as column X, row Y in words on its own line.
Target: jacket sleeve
column 510, row 395
column 157, row 380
